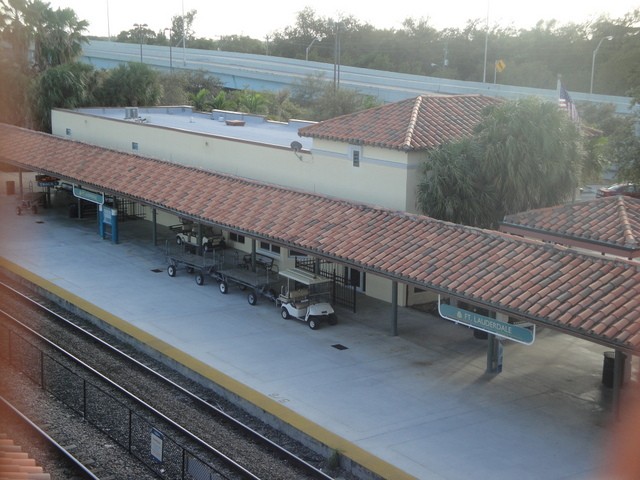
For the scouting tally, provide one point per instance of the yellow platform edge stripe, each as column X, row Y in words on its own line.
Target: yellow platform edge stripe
column 334, row 442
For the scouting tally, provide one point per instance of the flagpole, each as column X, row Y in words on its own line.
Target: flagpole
column 486, row 46
column 108, row 24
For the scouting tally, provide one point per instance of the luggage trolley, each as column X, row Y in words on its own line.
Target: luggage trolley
column 29, row 202
column 236, row 271
column 178, row 255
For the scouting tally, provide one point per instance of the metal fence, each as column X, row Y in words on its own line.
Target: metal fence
column 126, row 420
column 343, row 292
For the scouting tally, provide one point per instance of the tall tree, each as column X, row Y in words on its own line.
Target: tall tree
column 525, row 154
column 532, row 152
column 450, row 191
column 59, row 37
column 64, row 86
column 14, row 99
column 182, row 28
column 132, row 84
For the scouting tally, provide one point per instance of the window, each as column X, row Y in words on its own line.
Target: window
column 234, row 237
column 134, row 145
column 268, row 247
column 355, row 153
column 68, row 132
column 294, row 253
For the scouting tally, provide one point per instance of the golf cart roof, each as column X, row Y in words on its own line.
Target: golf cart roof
column 303, row 277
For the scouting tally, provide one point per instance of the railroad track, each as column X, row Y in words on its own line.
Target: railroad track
column 175, row 421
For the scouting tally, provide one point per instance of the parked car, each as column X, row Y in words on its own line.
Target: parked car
column 626, row 189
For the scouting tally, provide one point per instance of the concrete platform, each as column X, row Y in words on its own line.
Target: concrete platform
column 416, row 405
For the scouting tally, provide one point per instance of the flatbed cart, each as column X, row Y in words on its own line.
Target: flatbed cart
column 261, row 282
column 29, row 202
column 202, row 265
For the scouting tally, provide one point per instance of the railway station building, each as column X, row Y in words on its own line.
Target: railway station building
column 372, row 157
column 341, row 193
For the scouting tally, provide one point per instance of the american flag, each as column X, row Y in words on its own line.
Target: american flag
column 567, row 104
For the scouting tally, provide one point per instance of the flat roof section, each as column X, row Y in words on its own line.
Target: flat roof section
column 221, row 123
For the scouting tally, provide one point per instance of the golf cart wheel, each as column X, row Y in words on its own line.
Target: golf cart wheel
column 333, row 319
column 252, row 298
column 200, row 279
column 224, row 288
column 171, row 270
column 313, row 323
column 285, row 313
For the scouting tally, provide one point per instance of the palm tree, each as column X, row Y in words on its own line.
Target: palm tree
column 64, row 86
column 59, row 37
column 201, row 101
column 524, row 154
column 532, row 152
column 453, row 188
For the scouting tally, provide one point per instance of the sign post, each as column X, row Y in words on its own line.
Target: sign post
column 108, row 218
column 156, row 445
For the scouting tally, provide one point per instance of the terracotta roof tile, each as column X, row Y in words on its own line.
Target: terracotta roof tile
column 608, row 224
column 573, row 292
column 417, row 123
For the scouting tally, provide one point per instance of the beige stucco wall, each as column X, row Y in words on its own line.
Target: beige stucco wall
column 384, row 178
column 28, row 179
column 250, row 160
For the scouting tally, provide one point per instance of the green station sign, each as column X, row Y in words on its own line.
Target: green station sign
column 507, row 330
column 90, row 196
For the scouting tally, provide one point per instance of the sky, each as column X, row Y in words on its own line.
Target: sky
column 260, row 18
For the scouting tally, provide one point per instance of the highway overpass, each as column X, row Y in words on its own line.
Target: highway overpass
column 268, row 73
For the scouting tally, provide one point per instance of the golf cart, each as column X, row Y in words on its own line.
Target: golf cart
column 301, row 298
column 187, row 235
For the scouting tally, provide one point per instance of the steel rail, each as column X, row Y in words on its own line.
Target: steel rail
column 280, row 451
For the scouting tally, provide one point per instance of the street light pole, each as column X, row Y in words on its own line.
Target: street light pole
column 336, row 58
column 593, row 60
column 140, row 26
column 170, row 46
column 306, row 56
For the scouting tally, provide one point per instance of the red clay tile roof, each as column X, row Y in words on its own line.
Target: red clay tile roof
column 419, row 123
column 608, row 225
column 590, row 297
